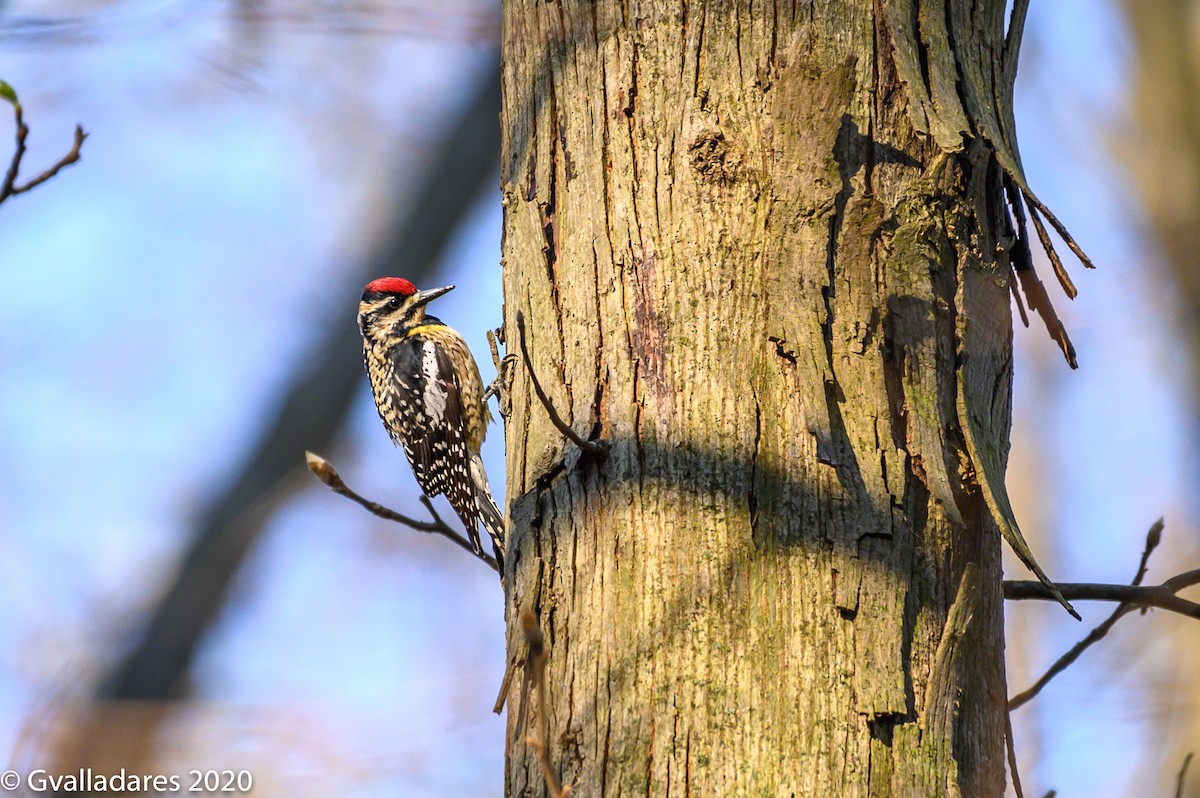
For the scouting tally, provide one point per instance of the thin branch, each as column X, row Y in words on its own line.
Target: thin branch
column 1153, row 538
column 1058, row 226
column 1035, row 293
column 329, row 476
column 1039, row 302
column 493, row 389
column 505, row 684
column 594, row 448
column 6, row 188
column 1016, row 295
column 495, row 338
column 68, row 159
column 535, row 671
column 1161, row 596
column 9, row 187
column 1060, row 271
column 1011, row 748
column 1182, row 778
column 499, row 386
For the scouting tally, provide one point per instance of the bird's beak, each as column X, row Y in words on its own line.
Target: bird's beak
column 425, row 297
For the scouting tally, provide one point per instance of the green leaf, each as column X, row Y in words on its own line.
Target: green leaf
column 7, row 92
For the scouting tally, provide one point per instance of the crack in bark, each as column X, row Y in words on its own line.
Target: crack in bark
column 607, row 739
column 773, row 47
column 657, row 209
column 883, row 466
column 752, row 494
column 894, row 356
column 531, row 161
column 549, row 212
column 674, row 743
column 959, row 78
column 650, row 757
column 683, row 34
column 737, row 43
column 631, row 98
column 635, row 180
column 637, row 423
column 922, row 49
column 687, row 765
column 598, row 395
column 605, row 149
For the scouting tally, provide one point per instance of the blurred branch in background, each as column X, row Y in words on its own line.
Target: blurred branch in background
column 1164, row 158
column 1181, row 779
column 10, row 188
column 311, row 412
column 1162, row 154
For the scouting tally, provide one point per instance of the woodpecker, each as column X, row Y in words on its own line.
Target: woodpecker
column 430, row 396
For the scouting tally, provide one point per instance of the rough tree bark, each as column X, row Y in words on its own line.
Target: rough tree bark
column 763, row 254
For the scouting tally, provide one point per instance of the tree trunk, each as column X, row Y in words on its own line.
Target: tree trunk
column 761, row 252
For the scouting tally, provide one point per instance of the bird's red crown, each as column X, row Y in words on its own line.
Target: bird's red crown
column 391, row 285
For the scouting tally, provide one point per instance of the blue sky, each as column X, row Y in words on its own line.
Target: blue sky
column 154, row 297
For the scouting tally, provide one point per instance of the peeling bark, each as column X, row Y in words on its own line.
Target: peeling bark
column 762, row 251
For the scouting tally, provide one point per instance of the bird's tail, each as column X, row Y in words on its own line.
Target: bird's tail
column 489, row 513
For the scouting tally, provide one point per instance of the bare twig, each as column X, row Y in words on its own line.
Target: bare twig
column 494, row 346
column 594, row 448
column 1153, row 537
column 491, row 389
column 1058, row 226
column 499, row 386
column 1016, row 295
column 505, row 683
column 1161, row 596
column 1035, row 293
column 535, row 671
column 9, row 187
column 1181, row 779
column 1060, row 271
column 329, row 476
column 1011, row 748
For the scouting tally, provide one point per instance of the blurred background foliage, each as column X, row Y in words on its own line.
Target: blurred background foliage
column 177, row 326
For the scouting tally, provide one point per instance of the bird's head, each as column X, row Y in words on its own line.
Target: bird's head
column 391, row 303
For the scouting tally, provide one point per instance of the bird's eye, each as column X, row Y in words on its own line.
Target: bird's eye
column 394, row 302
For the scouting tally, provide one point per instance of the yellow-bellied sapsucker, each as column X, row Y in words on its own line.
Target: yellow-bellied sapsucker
column 430, row 396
